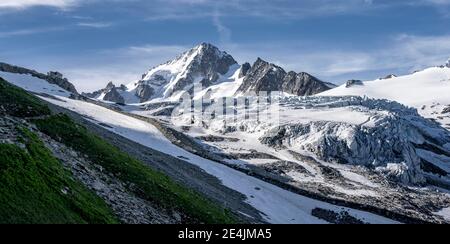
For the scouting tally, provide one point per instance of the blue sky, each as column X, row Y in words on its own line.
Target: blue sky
column 95, row 41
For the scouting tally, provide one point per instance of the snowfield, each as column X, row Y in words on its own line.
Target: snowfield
column 415, row 90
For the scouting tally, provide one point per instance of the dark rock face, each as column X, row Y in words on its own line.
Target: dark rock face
column 264, row 76
column 114, row 96
column 446, row 110
column 144, row 92
column 447, row 64
column 92, row 94
column 111, row 93
column 51, row 77
column 244, row 70
column 351, row 83
column 389, row 77
column 303, row 84
column 211, row 61
column 334, row 217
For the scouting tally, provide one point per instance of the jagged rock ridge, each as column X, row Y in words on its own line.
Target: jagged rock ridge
column 264, row 76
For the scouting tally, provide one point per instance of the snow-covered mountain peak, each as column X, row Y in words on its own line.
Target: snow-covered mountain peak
column 203, row 64
column 198, row 54
column 213, row 69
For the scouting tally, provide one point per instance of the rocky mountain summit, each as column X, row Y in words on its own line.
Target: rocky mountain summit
column 110, row 93
column 264, row 76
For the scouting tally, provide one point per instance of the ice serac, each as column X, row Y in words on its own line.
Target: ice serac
column 392, row 144
column 265, row 76
column 204, row 64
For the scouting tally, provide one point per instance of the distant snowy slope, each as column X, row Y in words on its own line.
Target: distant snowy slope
column 424, row 87
column 427, row 90
column 34, row 84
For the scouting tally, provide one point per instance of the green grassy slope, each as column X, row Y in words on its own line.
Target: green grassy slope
column 16, row 102
column 35, row 188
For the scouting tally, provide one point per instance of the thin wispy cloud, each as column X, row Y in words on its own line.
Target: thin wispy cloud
column 164, row 9
column 224, row 32
column 167, row 9
column 22, row 4
column 33, row 31
column 97, row 25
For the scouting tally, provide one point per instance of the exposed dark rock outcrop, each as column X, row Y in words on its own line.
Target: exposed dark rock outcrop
column 111, row 93
column 351, row 83
column 114, row 96
column 389, row 77
column 303, row 84
column 264, row 76
column 446, row 110
column 144, row 92
column 336, row 218
column 244, row 70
